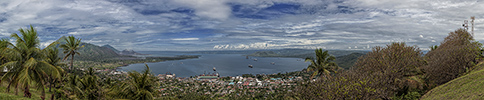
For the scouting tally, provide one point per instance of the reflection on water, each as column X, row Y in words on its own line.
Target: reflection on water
column 225, row 65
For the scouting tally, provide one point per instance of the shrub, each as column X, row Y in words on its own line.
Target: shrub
column 346, row 85
column 380, row 74
column 391, row 67
column 456, row 54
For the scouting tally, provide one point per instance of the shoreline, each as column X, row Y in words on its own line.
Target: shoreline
column 157, row 59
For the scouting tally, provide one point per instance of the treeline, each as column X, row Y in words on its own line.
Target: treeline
column 396, row 71
column 30, row 67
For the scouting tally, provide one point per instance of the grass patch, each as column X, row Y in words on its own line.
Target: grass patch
column 4, row 95
column 470, row 87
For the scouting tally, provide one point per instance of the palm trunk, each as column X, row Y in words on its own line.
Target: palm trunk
column 50, row 87
column 8, row 87
column 43, row 93
column 72, row 63
column 16, row 89
column 52, row 96
column 27, row 92
column 52, row 82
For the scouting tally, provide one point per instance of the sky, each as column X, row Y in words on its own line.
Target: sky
column 192, row 25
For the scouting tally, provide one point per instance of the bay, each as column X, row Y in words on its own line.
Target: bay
column 225, row 64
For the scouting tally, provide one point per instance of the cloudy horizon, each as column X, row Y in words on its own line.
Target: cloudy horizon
column 191, row 25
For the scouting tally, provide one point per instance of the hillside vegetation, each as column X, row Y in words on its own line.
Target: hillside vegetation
column 467, row 87
column 401, row 72
column 344, row 58
column 91, row 52
column 347, row 61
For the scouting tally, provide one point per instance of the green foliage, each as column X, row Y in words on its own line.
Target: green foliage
column 140, row 86
column 70, row 48
column 323, row 64
column 87, row 87
column 194, row 96
column 26, row 63
column 248, row 75
column 432, row 48
column 408, row 96
column 347, row 61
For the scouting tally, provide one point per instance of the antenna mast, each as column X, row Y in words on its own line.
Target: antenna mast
column 472, row 23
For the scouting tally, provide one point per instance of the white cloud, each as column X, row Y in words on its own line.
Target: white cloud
column 184, row 39
column 73, row 33
column 216, row 9
column 335, row 25
column 46, row 43
column 277, row 44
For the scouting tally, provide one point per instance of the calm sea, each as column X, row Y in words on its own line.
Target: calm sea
column 225, row 65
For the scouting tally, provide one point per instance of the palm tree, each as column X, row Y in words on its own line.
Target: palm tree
column 26, row 62
column 87, row 87
column 322, row 64
column 4, row 43
column 140, row 85
column 91, row 86
column 70, row 48
column 433, row 47
column 54, row 60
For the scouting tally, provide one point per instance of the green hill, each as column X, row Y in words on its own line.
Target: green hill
column 344, row 58
column 92, row 52
column 110, row 47
column 347, row 61
column 467, row 87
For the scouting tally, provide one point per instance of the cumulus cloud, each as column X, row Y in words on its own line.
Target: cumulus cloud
column 215, row 9
column 242, row 24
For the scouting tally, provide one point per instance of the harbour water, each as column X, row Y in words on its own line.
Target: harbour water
column 225, row 64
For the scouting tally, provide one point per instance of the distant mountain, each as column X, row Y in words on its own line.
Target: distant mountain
column 265, row 54
column 111, row 47
column 347, row 61
column 301, row 53
column 344, row 58
column 91, row 51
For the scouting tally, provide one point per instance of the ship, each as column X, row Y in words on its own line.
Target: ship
column 250, row 66
column 214, row 69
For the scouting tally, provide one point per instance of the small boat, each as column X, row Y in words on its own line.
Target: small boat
column 255, row 59
column 250, row 66
column 273, row 63
column 214, row 69
column 246, row 57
